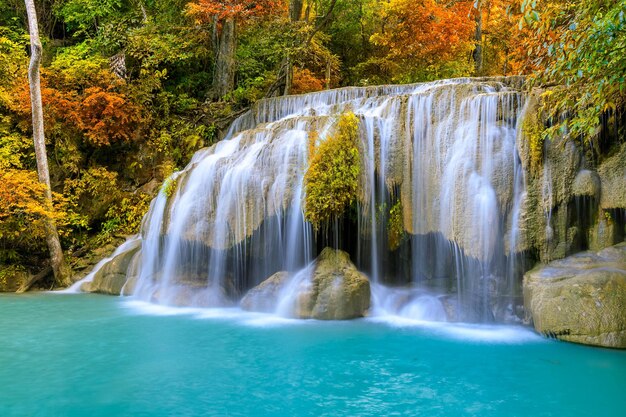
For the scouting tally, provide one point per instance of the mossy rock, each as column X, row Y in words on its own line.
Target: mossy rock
column 338, row 291
column 586, row 183
column 612, row 173
column 581, row 298
column 333, row 290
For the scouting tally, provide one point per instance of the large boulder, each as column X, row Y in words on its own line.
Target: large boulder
column 111, row 277
column 329, row 289
column 581, row 298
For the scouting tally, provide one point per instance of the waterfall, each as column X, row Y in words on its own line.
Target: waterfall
column 444, row 153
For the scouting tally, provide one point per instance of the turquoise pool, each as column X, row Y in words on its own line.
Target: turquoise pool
column 89, row 355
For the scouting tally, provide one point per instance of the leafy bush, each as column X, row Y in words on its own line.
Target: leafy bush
column 395, row 226
column 332, row 178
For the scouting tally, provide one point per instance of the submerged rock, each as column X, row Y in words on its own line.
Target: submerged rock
column 110, row 279
column 330, row 289
column 581, row 298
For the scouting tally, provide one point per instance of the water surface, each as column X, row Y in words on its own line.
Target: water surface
column 91, row 355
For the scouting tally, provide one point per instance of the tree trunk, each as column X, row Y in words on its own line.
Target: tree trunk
column 478, row 38
column 288, row 77
column 59, row 269
column 224, row 76
column 295, row 9
column 295, row 12
column 328, row 74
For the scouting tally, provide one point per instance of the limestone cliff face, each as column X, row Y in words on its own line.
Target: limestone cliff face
column 569, row 201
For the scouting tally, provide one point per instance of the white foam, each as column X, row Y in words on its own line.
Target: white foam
column 478, row 333
column 270, row 320
column 150, row 309
column 228, row 314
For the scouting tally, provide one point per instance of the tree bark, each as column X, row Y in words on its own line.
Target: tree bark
column 224, row 76
column 328, row 74
column 33, row 279
column 59, row 268
column 325, row 20
column 295, row 12
column 295, row 9
column 478, row 38
column 288, row 77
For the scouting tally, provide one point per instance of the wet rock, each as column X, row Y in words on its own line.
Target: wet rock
column 338, row 292
column 132, row 274
column 330, row 289
column 603, row 234
column 581, row 298
column 112, row 276
column 586, row 183
column 613, row 177
column 263, row 297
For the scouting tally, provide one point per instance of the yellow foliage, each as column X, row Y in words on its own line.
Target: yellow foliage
column 169, row 187
column 24, row 210
column 532, row 128
column 332, row 178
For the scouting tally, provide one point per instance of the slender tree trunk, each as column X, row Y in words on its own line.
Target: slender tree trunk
column 286, row 71
column 288, row 76
column 61, row 272
column 224, row 76
column 295, row 9
column 328, row 74
column 478, row 38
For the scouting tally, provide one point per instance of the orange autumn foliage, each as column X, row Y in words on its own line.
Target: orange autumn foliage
column 107, row 117
column 425, row 31
column 206, row 10
column 100, row 114
column 304, row 81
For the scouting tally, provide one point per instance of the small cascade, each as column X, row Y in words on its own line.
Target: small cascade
column 439, row 168
column 76, row 287
column 410, row 303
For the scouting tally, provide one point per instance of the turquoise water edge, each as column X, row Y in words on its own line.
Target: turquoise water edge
column 91, row 355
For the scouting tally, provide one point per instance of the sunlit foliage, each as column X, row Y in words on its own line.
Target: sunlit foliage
column 332, row 178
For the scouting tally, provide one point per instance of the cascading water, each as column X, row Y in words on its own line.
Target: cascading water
column 445, row 152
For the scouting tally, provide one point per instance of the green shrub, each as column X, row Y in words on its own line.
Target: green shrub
column 332, row 178
column 395, row 226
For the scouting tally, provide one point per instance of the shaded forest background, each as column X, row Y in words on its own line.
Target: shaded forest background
column 132, row 88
